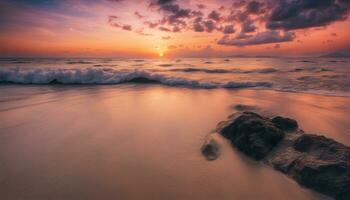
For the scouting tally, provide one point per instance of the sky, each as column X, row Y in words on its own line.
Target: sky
column 173, row 28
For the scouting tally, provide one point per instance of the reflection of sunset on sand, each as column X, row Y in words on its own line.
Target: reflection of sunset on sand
column 138, row 141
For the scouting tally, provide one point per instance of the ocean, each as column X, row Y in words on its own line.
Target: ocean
column 329, row 76
column 107, row 128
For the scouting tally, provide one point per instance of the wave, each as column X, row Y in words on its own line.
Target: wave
column 189, row 70
column 165, row 65
column 20, row 62
column 100, row 76
column 223, row 71
column 78, row 62
column 312, row 69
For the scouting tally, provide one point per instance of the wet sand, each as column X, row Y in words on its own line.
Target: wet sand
column 143, row 142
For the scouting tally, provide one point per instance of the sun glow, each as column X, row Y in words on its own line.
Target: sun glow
column 160, row 51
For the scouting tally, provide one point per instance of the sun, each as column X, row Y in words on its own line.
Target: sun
column 160, row 51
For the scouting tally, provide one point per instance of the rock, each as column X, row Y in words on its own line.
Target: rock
column 211, row 150
column 285, row 124
column 331, row 178
column 253, row 134
column 143, row 80
column 313, row 161
column 313, row 143
column 323, row 166
column 54, row 81
column 243, row 107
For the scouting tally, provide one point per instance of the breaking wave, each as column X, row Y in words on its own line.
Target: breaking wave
column 110, row 76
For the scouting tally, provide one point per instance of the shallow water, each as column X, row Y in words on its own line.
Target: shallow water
column 142, row 141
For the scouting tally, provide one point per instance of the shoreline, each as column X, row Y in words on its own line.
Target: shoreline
column 316, row 92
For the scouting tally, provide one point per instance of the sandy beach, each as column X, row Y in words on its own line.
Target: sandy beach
column 130, row 141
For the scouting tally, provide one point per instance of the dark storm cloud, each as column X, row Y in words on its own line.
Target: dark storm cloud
column 299, row 14
column 260, row 38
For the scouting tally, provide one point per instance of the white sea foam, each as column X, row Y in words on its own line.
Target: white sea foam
column 109, row 76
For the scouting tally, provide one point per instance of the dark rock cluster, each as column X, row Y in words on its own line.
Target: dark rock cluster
column 313, row 161
column 253, row 134
column 211, row 150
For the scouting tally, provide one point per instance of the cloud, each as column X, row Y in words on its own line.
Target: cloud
column 112, row 22
column 248, row 27
column 161, row 2
column 162, row 28
column 299, row 14
column 141, row 32
column 201, row 6
column 127, row 27
column 266, row 37
column 172, row 47
column 228, row 29
column 166, row 38
column 209, row 26
column 151, row 24
column 243, row 36
column 200, row 26
column 175, row 18
column 174, row 11
column 176, row 29
column 254, row 7
column 276, row 18
column 138, row 15
column 214, row 15
column 239, row 3
column 197, row 13
column 197, row 27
